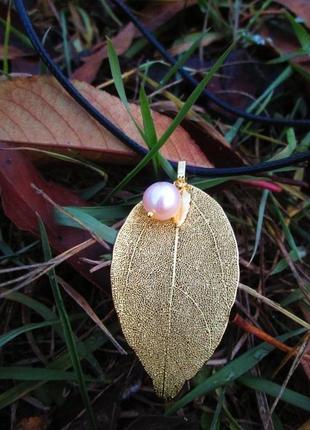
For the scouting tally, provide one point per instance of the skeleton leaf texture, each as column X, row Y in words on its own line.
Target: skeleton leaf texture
column 173, row 288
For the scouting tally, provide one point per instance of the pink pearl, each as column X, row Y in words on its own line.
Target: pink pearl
column 162, row 199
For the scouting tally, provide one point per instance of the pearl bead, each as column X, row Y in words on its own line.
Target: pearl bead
column 162, row 199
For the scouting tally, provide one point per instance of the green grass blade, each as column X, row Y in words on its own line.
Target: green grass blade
column 12, row 334
column 260, row 219
column 22, row 373
column 216, row 417
column 66, row 47
column 116, row 73
column 266, row 94
column 182, row 59
column 33, row 304
column 90, row 223
column 50, row 316
column 67, row 329
column 148, row 126
column 151, row 137
column 289, row 149
column 232, row 371
column 301, row 33
column 98, row 212
column 9, row 253
column 273, row 389
column 174, row 124
column 148, row 133
column 67, row 158
column 63, row 362
column 286, row 230
column 19, row 35
column 6, row 41
column 110, row 12
column 294, row 256
column 119, row 85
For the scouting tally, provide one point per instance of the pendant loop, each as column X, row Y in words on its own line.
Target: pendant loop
column 181, row 170
column 181, row 175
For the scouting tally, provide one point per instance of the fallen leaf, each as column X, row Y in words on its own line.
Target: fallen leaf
column 213, row 144
column 13, row 53
column 235, row 84
column 32, row 423
column 299, row 7
column 121, row 42
column 153, row 16
column 37, row 112
column 278, row 39
column 185, row 43
column 157, row 13
column 21, row 204
column 305, row 426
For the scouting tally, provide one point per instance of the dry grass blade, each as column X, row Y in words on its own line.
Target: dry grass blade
column 100, row 265
column 25, row 267
column 274, row 305
column 68, row 214
column 49, row 118
column 80, row 300
column 294, row 366
column 36, row 274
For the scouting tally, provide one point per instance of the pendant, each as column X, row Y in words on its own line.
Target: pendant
column 175, row 274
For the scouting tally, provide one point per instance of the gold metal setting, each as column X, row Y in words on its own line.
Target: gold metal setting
column 173, row 287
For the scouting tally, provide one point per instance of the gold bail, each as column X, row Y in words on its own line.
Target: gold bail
column 181, row 170
column 181, row 174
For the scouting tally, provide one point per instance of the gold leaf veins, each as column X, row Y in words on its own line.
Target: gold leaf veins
column 173, row 288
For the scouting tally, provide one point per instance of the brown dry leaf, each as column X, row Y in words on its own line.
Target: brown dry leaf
column 32, row 423
column 13, row 53
column 153, row 16
column 121, row 42
column 300, row 8
column 305, row 426
column 157, row 13
column 285, row 45
column 22, row 205
column 38, row 112
column 173, row 288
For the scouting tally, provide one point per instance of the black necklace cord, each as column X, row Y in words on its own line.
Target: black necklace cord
column 118, row 133
column 302, row 123
column 67, row 85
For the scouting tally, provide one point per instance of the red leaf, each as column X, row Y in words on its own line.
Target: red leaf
column 121, row 42
column 298, row 7
column 39, row 113
column 21, row 204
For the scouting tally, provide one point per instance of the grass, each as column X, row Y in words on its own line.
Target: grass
column 62, row 354
column 67, row 330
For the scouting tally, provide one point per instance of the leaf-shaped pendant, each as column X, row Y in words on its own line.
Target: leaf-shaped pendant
column 173, row 288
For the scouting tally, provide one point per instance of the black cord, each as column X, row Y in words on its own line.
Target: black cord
column 106, row 123
column 193, row 82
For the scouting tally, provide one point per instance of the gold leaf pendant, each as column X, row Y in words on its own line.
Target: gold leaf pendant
column 174, row 284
